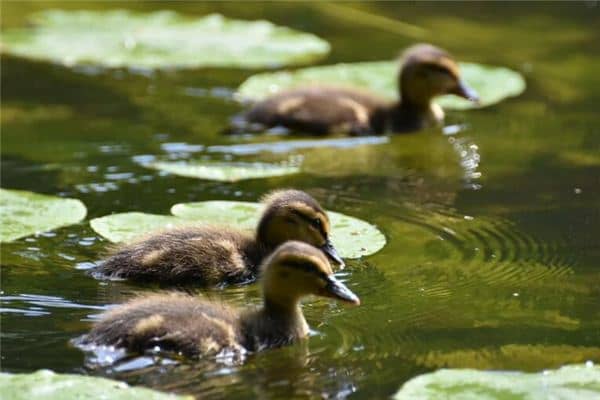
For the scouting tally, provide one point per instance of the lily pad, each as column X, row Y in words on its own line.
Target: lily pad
column 569, row 382
column 162, row 39
column 242, row 214
column 493, row 84
column 127, row 226
column 225, row 171
column 45, row 384
column 27, row 213
column 352, row 237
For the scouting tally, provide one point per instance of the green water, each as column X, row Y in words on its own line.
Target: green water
column 493, row 250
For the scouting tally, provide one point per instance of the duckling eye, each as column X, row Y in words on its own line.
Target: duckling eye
column 317, row 222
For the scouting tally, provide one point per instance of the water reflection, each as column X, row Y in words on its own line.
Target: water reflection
column 293, row 145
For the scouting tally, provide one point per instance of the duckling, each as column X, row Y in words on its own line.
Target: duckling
column 426, row 72
column 210, row 255
column 193, row 327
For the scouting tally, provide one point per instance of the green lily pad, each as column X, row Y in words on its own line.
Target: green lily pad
column 569, row 382
column 45, row 384
column 27, row 213
column 162, row 39
column 242, row 214
column 124, row 227
column 224, row 171
column 352, row 237
column 493, row 84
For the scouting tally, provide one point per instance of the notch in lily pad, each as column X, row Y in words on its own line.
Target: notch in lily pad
column 352, row 237
column 161, row 39
column 26, row 213
column 225, row 171
column 492, row 83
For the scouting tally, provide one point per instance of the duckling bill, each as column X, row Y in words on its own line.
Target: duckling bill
column 426, row 72
column 194, row 327
column 210, row 255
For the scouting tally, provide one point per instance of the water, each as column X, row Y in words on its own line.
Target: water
column 493, row 252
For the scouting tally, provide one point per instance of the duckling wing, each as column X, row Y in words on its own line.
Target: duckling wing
column 190, row 255
column 172, row 322
column 319, row 110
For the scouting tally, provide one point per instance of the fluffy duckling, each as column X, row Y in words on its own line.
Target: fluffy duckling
column 210, row 255
column 426, row 72
column 194, row 327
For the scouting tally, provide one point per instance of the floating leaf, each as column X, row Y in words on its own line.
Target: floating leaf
column 242, row 214
column 352, row 237
column 47, row 385
column 124, row 227
column 161, row 39
column 26, row 213
column 493, row 84
column 225, row 171
column 569, row 382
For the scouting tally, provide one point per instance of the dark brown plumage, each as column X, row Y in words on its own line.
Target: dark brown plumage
column 209, row 255
column 193, row 327
column 426, row 72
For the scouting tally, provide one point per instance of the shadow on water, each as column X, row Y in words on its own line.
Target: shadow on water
column 86, row 95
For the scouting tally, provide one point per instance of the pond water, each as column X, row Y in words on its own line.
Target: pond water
column 493, row 250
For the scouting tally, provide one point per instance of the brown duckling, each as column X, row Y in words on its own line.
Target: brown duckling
column 209, row 255
column 194, row 327
column 426, row 72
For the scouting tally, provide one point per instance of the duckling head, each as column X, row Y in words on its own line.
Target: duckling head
column 428, row 71
column 295, row 215
column 297, row 269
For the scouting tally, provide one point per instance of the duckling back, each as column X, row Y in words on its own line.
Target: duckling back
column 201, row 254
column 171, row 322
column 322, row 110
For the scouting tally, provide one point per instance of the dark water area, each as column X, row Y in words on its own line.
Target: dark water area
column 493, row 253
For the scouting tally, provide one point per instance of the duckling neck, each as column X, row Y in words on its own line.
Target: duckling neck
column 288, row 317
column 283, row 310
column 416, row 109
column 263, row 235
column 408, row 115
column 255, row 251
column 274, row 325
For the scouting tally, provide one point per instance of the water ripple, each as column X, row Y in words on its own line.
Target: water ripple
column 495, row 242
column 38, row 305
